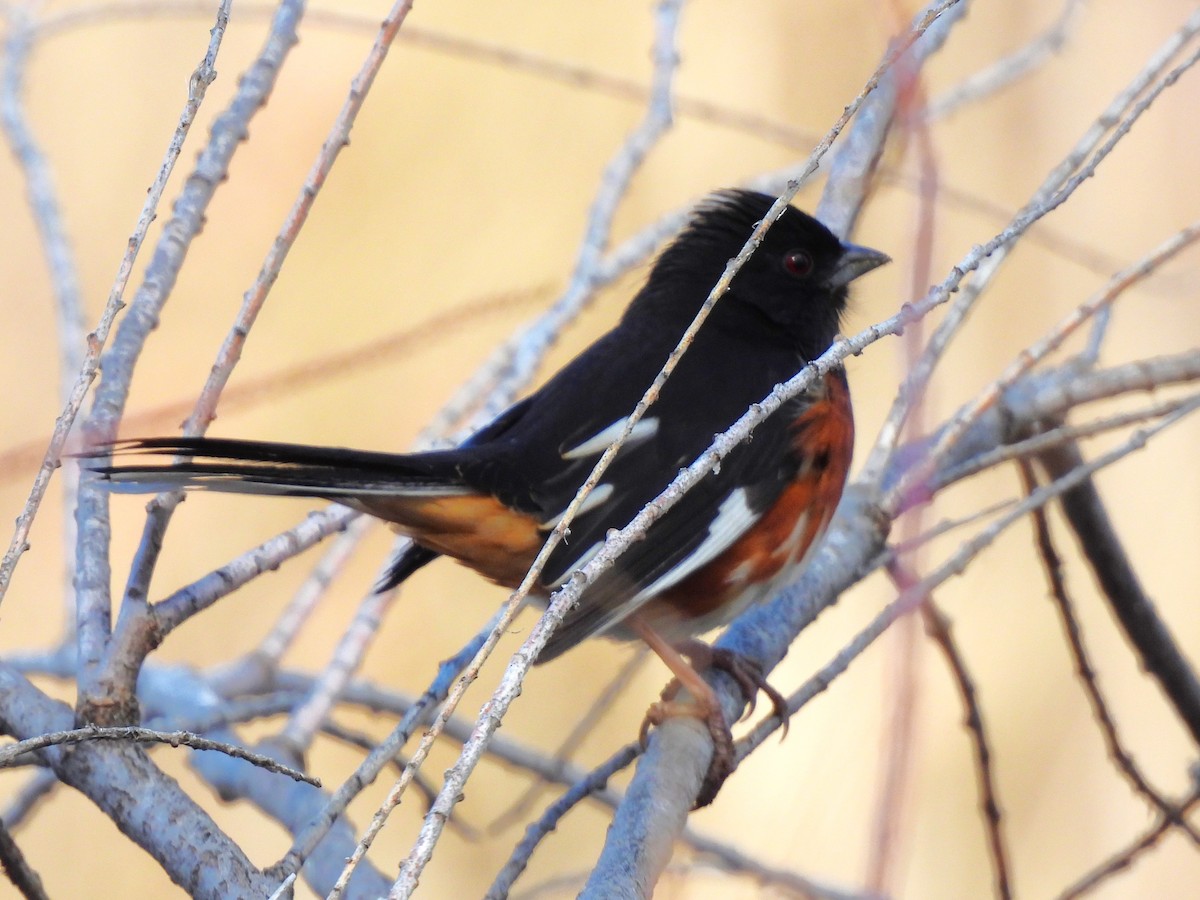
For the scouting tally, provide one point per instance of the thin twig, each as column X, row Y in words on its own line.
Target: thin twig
column 1046, row 396
column 93, row 609
column 153, row 809
column 22, row 875
column 498, row 368
column 954, row 565
column 181, row 605
column 594, row 781
column 45, row 205
column 64, row 279
column 40, row 785
column 614, row 182
column 730, row 859
column 1125, row 858
column 365, row 742
column 902, row 688
column 230, row 351
column 898, row 548
column 335, row 141
column 662, row 793
column 308, row 717
column 1157, row 651
column 576, row 76
column 503, row 749
column 584, row 727
column 319, row 371
column 60, row 262
column 615, row 543
column 902, row 691
column 1053, row 437
column 11, row 754
column 1052, row 566
column 1135, row 376
column 916, row 478
column 308, row 839
column 937, row 625
column 1058, row 185
column 1010, row 68
column 210, row 717
column 284, row 891
column 287, row 626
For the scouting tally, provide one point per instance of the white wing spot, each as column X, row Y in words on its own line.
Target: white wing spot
column 598, row 443
column 583, row 560
column 731, row 522
column 599, row 495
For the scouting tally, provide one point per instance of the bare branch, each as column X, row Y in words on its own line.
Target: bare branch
column 852, row 537
column 311, row 835
column 1156, row 648
column 587, row 723
column 17, row 868
column 1029, row 413
column 161, row 508
column 307, row 718
column 1125, row 858
column 80, row 367
column 649, row 819
column 1052, row 564
column 937, row 624
column 12, row 754
column 1011, row 68
column 1067, row 176
column 614, row 182
column 229, row 130
column 593, row 782
column 729, row 859
column 150, row 808
column 275, row 643
column 1054, row 437
column 174, row 610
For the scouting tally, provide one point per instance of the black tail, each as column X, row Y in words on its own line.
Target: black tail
column 407, row 561
column 258, row 467
column 151, row 465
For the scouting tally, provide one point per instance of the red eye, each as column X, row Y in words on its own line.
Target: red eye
column 798, row 263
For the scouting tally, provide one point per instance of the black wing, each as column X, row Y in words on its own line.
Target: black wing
column 538, row 464
column 707, row 520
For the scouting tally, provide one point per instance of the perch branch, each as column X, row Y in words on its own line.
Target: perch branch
column 1156, row 649
column 1052, row 565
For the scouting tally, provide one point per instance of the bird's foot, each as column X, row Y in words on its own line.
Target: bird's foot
column 747, row 673
column 724, row 759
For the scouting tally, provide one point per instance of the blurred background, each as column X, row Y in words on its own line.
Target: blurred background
column 465, row 190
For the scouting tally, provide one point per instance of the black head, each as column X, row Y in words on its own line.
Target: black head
column 793, row 289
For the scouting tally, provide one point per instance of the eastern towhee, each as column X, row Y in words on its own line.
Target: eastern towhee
column 490, row 503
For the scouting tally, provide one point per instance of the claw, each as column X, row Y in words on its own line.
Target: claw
column 745, row 672
column 705, row 707
column 724, row 758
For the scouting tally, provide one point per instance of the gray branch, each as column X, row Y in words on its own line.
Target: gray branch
column 150, row 808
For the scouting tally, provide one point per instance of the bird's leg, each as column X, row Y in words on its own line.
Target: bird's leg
column 703, row 706
column 746, row 672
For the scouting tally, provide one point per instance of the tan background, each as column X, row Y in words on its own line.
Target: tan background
column 463, row 180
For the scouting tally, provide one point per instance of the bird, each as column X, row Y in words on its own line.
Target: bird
column 732, row 541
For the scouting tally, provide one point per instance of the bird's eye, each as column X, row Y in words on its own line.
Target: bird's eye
column 798, row 263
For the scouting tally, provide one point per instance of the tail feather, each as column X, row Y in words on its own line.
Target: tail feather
column 407, row 561
column 260, row 467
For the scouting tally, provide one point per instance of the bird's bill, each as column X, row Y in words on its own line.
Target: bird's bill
column 855, row 261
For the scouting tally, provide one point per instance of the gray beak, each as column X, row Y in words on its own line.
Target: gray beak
column 855, row 261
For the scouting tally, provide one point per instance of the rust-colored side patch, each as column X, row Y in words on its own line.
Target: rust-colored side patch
column 823, row 441
column 481, row 532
